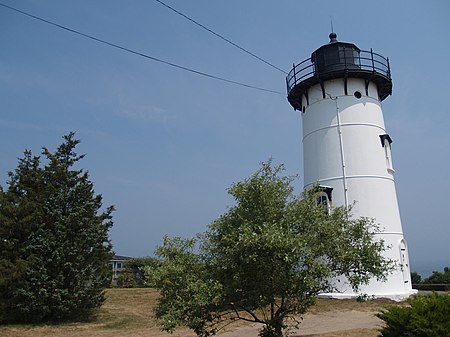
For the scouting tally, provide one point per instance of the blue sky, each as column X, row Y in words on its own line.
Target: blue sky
column 163, row 144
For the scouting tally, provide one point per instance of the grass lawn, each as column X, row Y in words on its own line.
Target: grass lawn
column 129, row 312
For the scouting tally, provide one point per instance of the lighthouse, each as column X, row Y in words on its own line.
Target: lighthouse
column 347, row 151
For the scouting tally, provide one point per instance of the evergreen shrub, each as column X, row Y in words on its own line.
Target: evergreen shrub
column 426, row 316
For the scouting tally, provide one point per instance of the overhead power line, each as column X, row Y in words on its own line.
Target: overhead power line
column 220, row 36
column 139, row 53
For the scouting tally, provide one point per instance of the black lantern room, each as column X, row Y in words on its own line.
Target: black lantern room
column 338, row 60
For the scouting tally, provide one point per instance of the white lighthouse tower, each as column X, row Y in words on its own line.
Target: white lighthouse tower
column 346, row 149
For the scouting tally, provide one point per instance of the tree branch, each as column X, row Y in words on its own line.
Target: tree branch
column 255, row 318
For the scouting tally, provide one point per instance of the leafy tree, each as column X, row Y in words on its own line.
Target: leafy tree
column 126, row 279
column 54, row 245
column 426, row 316
column 137, row 272
column 140, row 268
column 416, row 278
column 438, row 277
column 265, row 260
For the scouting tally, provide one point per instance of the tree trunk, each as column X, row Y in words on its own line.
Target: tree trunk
column 274, row 328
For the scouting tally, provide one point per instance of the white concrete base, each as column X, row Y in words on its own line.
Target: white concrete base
column 398, row 297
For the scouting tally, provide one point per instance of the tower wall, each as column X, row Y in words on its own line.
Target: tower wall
column 342, row 149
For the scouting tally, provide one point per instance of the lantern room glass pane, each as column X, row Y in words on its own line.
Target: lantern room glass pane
column 348, row 55
column 331, row 56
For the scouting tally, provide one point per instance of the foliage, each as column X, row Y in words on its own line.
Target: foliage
column 140, row 269
column 54, row 241
column 416, row 278
column 439, row 278
column 126, row 279
column 265, row 260
column 427, row 316
column 188, row 294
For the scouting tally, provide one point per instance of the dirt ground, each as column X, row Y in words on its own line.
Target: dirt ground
column 331, row 323
column 129, row 312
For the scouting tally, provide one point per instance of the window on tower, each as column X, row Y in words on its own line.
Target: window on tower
column 386, row 142
column 324, row 198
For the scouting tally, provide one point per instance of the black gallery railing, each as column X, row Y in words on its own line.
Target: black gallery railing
column 355, row 62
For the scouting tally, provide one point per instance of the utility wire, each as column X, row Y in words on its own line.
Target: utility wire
column 220, row 36
column 139, row 53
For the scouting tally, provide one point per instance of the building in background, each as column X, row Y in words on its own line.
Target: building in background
column 117, row 264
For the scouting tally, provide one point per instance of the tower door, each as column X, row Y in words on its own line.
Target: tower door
column 404, row 261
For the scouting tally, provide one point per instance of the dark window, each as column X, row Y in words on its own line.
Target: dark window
column 386, row 142
column 324, row 201
column 331, row 56
column 348, row 55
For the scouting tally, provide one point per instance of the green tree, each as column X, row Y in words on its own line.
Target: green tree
column 140, row 268
column 126, row 279
column 438, row 277
column 265, row 260
column 54, row 245
column 416, row 278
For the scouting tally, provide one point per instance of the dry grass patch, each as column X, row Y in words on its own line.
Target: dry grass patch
column 129, row 312
column 328, row 304
column 126, row 312
column 347, row 333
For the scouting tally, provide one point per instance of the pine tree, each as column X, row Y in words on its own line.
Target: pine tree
column 54, row 242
